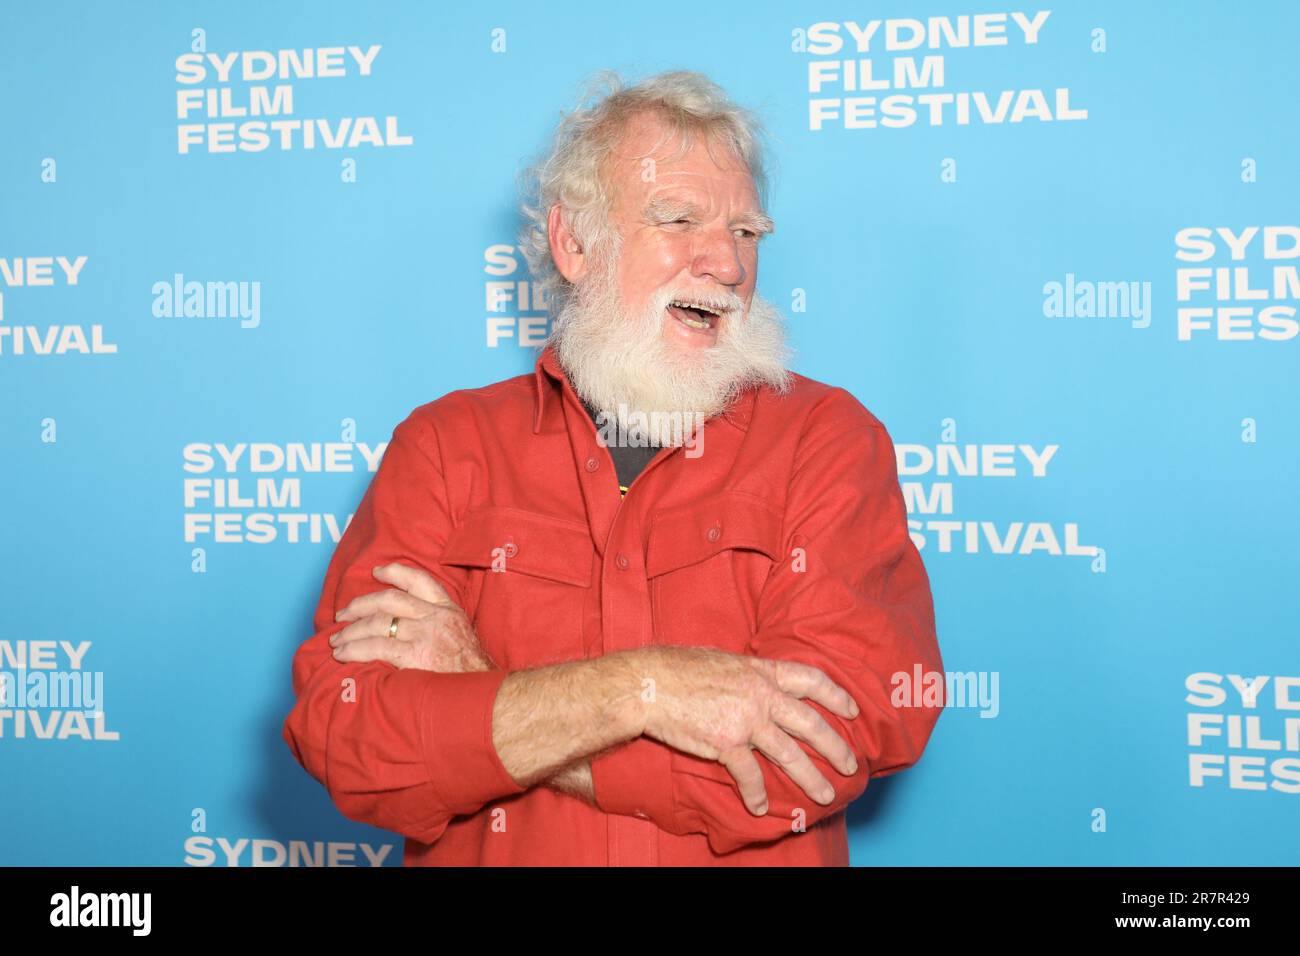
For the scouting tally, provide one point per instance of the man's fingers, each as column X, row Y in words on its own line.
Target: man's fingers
column 391, row 601
column 416, row 581
column 375, row 625
column 806, row 681
column 781, row 749
column 396, row 653
column 799, row 720
column 742, row 766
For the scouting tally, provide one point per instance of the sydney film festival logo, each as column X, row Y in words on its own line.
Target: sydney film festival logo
column 247, row 100
column 893, row 73
column 48, row 693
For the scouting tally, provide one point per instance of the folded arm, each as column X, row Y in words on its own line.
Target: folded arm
column 404, row 734
column 404, row 747
column 857, row 607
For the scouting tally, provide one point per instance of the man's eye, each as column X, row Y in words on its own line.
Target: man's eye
column 747, row 233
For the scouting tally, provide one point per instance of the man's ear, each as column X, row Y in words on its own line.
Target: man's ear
column 567, row 252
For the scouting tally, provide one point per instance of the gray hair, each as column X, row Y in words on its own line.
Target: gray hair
column 572, row 173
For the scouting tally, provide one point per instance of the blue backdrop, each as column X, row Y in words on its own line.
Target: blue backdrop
column 1074, row 311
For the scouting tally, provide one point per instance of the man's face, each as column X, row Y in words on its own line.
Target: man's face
column 689, row 230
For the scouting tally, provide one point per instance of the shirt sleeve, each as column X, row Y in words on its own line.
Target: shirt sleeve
column 404, row 750
column 851, row 597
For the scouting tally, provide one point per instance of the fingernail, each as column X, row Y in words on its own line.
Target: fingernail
column 828, row 795
column 853, row 708
column 762, row 808
column 853, row 767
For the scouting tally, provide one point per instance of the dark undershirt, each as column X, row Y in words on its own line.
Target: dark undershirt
column 628, row 461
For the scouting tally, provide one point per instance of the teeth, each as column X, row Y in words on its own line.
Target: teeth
column 685, row 303
column 703, row 324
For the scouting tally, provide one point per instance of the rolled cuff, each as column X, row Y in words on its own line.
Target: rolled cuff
column 636, row 780
column 456, row 723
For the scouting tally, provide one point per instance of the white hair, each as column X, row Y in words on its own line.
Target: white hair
column 619, row 364
column 572, row 173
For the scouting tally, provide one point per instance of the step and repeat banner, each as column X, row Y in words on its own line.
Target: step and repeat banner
column 1054, row 250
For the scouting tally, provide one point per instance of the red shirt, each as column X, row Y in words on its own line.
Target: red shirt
column 786, row 538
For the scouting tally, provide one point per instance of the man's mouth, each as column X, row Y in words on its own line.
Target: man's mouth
column 693, row 315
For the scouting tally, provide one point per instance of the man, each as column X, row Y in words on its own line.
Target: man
column 536, row 648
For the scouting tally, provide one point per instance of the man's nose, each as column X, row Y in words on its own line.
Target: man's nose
column 716, row 256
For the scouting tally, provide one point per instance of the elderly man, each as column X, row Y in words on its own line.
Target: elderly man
column 538, row 646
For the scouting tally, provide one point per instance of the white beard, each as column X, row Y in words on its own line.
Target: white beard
column 621, row 366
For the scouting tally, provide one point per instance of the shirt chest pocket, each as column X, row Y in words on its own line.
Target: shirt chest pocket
column 529, row 579
column 707, row 564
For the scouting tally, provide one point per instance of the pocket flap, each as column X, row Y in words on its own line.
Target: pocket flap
column 683, row 536
column 540, row 545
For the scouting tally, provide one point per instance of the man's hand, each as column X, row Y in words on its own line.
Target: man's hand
column 434, row 634
column 717, row 705
column 706, row 702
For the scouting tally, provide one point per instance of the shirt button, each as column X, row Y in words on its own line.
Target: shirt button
column 714, row 534
column 511, row 549
column 592, row 464
column 623, row 562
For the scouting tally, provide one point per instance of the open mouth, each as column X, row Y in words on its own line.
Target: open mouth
column 693, row 315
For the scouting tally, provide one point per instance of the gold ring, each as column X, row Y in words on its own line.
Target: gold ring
column 392, row 629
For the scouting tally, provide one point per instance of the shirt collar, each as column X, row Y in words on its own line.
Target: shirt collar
column 546, row 376
column 550, row 381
